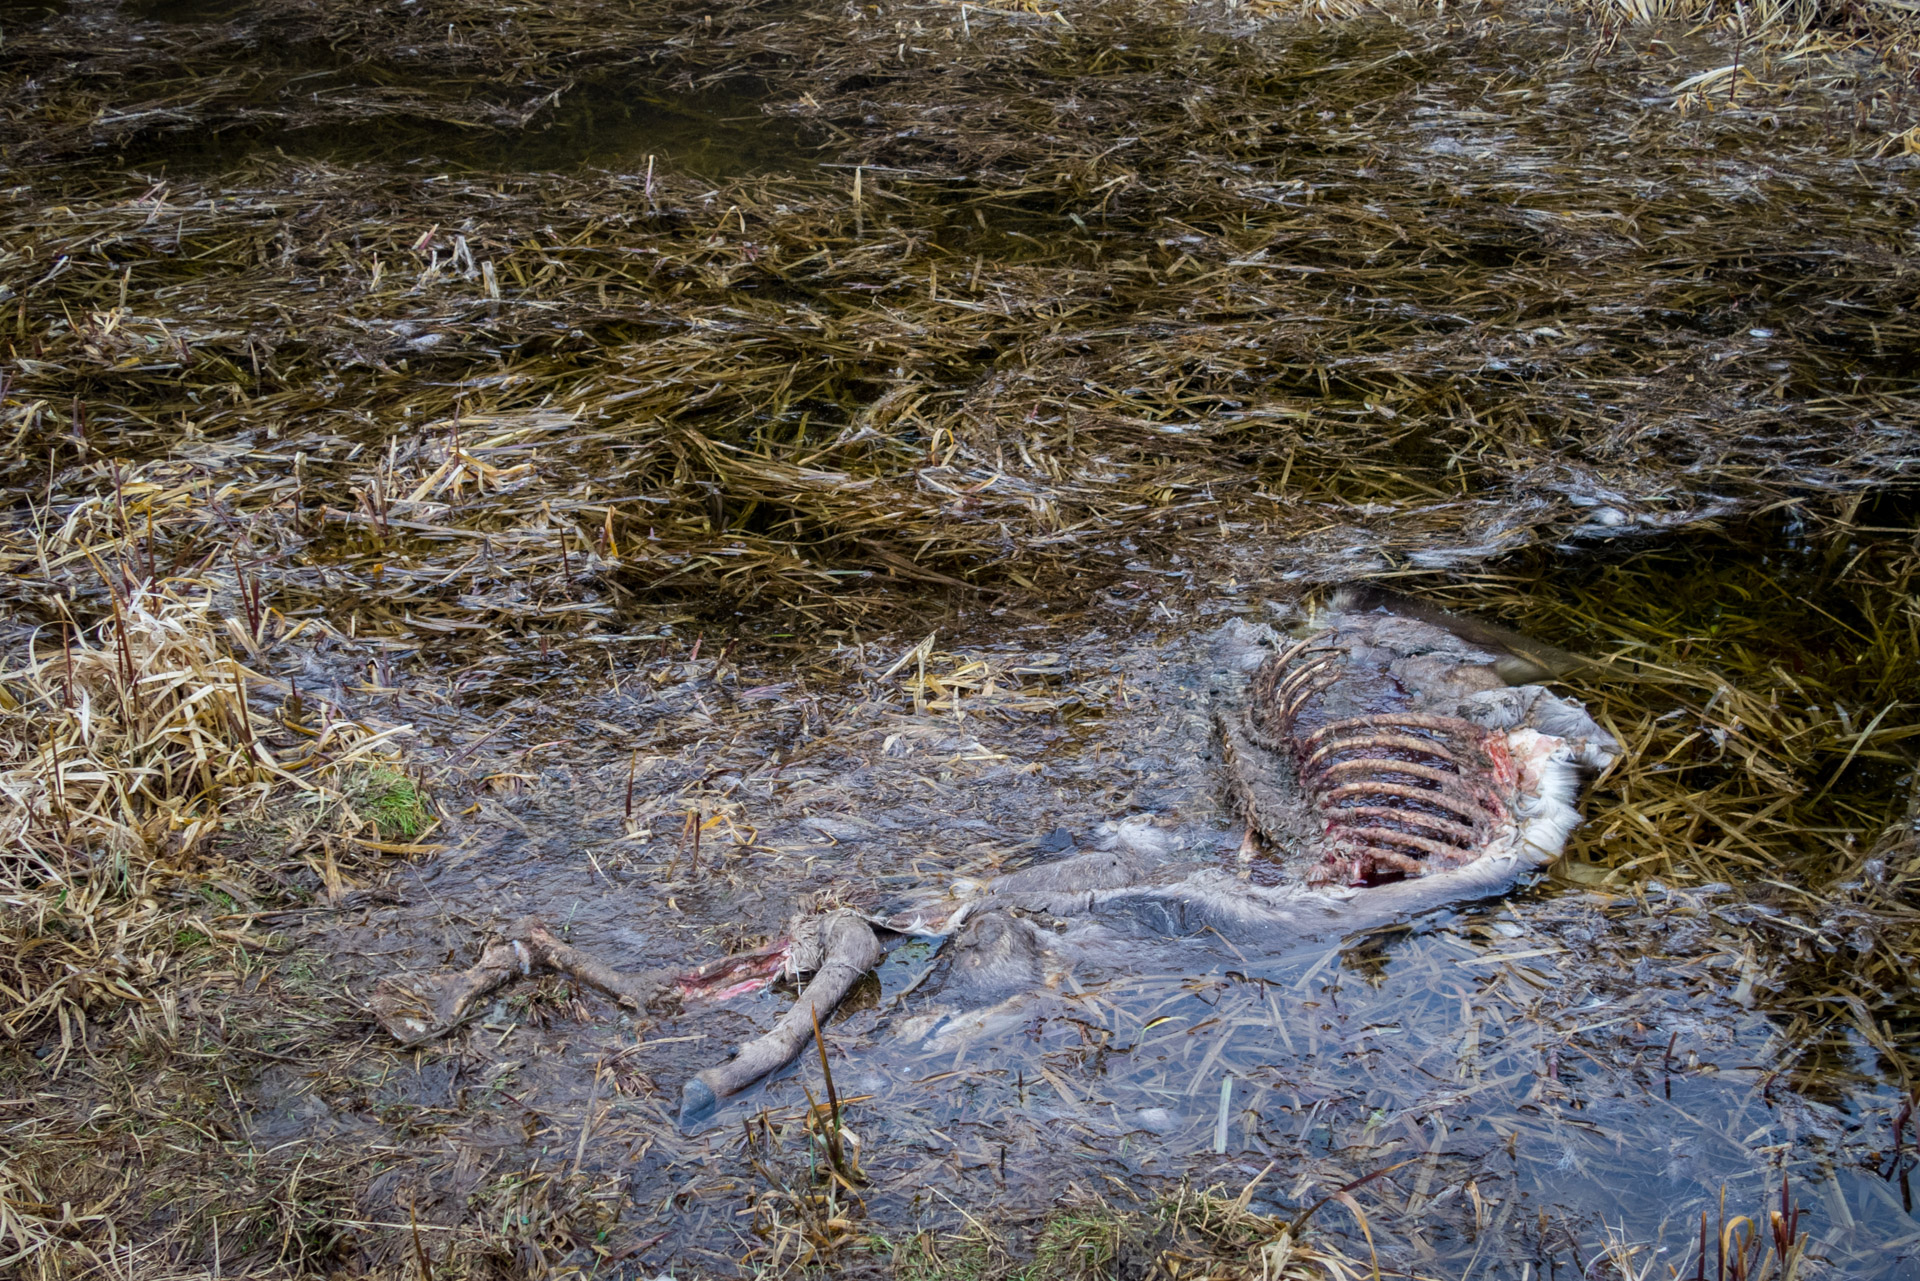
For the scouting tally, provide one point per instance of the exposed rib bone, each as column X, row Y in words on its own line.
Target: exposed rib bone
column 1380, row 787
column 1394, row 859
column 1279, row 662
column 1397, row 720
column 1447, row 779
column 1454, row 789
column 1404, row 742
column 1299, row 678
column 1320, row 684
column 1291, row 681
column 850, row 949
column 1447, row 827
column 1437, row 848
column 1292, row 652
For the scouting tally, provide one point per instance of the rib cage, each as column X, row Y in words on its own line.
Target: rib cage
column 1398, row 791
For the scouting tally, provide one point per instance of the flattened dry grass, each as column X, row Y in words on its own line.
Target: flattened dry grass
column 1187, row 1233
column 1214, row 1236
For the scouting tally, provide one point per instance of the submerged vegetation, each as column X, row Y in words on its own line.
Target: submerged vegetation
column 1187, row 1232
column 1767, row 703
column 661, row 467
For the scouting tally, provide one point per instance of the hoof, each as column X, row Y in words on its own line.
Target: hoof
column 697, row 1103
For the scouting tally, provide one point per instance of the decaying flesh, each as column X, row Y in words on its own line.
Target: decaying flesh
column 1394, row 742
column 832, row 950
column 837, row 952
column 1387, row 759
column 1385, row 766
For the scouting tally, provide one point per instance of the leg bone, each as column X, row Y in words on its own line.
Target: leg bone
column 414, row 1015
column 851, row 949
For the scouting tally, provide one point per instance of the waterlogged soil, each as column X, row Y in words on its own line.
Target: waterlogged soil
column 1577, row 1057
column 773, row 459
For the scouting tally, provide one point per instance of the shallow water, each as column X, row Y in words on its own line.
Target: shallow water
column 1571, row 1060
column 1135, row 325
column 718, row 132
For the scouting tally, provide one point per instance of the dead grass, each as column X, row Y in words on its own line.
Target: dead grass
column 127, row 747
column 1213, row 1234
column 133, row 746
column 1771, row 732
column 1186, row 1234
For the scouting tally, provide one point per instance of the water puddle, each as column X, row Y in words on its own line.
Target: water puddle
column 188, row 12
column 1596, row 1053
column 418, row 98
column 716, row 133
column 29, row 13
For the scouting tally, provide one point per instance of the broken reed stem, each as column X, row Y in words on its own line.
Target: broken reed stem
column 586, row 1119
column 836, row 1151
column 826, row 1069
column 1299, row 1221
column 419, row 1250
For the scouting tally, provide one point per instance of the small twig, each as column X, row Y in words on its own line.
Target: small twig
column 1300, row 1219
column 419, row 1251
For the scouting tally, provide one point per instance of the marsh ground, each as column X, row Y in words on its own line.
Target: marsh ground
column 768, row 456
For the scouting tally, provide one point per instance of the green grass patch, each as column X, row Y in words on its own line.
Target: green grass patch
column 391, row 801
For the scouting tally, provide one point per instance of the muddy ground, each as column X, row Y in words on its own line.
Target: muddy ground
column 770, row 457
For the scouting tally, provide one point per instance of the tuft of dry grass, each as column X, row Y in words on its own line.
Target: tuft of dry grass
column 124, row 749
column 156, row 805
column 1186, row 1233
